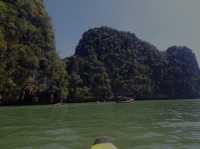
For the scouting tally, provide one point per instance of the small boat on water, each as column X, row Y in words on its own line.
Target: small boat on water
column 103, row 143
column 124, row 99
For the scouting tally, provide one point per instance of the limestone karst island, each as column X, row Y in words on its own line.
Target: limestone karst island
column 106, row 64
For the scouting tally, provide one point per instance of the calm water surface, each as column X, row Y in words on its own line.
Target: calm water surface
column 141, row 125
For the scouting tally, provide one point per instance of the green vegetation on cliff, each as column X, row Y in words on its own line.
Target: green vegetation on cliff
column 30, row 70
column 109, row 63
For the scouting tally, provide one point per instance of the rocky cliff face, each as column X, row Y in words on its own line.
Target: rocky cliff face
column 107, row 63
column 111, row 63
column 30, row 70
column 182, row 73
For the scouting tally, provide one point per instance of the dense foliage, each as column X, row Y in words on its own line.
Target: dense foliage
column 109, row 63
column 30, row 70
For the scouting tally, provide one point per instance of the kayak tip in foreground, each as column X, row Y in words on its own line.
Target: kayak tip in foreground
column 103, row 143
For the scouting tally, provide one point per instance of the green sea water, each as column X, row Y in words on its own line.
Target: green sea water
column 169, row 124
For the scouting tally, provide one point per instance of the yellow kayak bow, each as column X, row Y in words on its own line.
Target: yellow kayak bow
column 104, row 146
column 103, row 143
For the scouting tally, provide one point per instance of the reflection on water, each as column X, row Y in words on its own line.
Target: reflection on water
column 141, row 125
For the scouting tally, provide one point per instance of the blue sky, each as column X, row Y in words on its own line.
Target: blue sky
column 162, row 22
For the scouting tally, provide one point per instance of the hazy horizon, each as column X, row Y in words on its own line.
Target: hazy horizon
column 162, row 23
